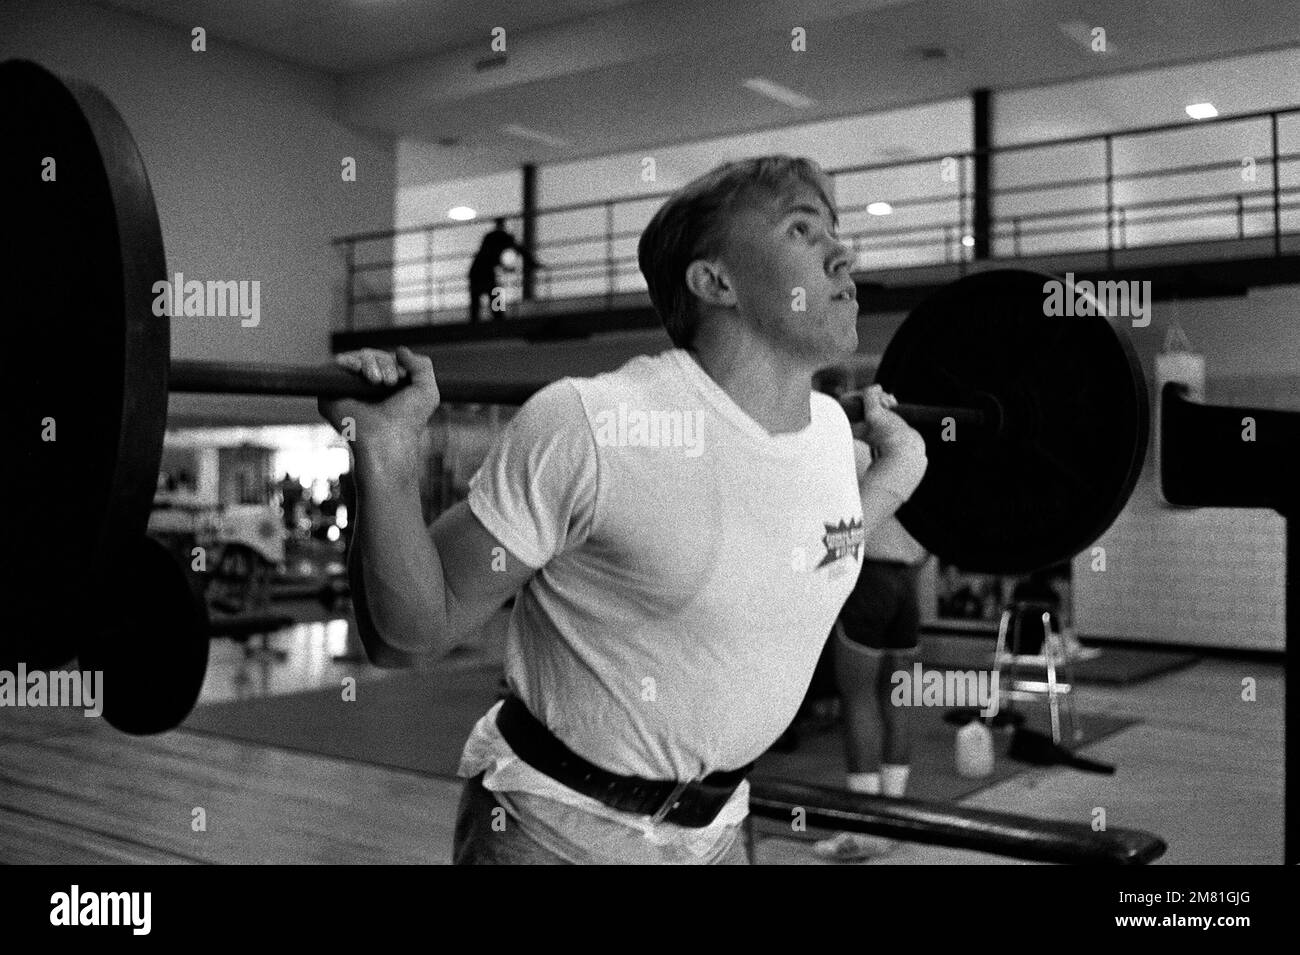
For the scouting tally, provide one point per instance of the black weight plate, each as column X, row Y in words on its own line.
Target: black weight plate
column 1075, row 423
column 153, row 652
column 82, row 348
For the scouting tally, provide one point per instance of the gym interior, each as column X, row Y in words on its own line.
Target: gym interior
column 341, row 164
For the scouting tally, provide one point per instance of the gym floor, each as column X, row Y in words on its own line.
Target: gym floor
column 76, row 791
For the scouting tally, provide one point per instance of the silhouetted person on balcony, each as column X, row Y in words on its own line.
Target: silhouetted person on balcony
column 483, row 271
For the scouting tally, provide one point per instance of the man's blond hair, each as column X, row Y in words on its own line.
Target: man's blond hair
column 694, row 223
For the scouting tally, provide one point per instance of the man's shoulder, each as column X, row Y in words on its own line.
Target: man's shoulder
column 831, row 417
column 641, row 374
column 830, row 407
column 642, row 381
column 551, row 407
column 572, row 399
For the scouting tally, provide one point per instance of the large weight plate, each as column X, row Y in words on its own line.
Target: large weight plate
column 82, row 349
column 153, row 648
column 1074, row 434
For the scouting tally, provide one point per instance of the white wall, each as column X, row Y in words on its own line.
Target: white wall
column 1242, row 84
column 428, row 204
column 244, row 155
column 875, row 137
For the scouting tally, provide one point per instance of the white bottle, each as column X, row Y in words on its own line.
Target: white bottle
column 974, row 750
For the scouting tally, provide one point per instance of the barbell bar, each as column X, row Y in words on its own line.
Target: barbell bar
column 330, row 381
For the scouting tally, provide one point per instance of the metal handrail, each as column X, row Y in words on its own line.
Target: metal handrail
column 1000, row 229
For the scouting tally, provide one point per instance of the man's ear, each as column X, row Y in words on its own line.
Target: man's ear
column 709, row 281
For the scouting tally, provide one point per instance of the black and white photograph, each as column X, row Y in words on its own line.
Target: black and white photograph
column 854, row 433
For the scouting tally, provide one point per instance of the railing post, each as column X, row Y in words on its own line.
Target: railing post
column 961, row 213
column 609, row 252
column 1121, row 216
column 1291, row 708
column 432, row 297
column 529, row 190
column 981, row 185
column 1110, row 202
column 1277, row 189
column 1015, row 237
column 350, row 259
column 1241, row 217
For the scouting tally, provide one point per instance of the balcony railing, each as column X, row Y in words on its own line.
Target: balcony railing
column 1106, row 193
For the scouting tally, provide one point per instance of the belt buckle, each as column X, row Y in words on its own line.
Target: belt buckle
column 670, row 803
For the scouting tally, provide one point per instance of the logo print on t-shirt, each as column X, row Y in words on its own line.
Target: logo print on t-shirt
column 842, row 539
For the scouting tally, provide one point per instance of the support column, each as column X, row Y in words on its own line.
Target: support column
column 529, row 239
column 1291, row 687
column 981, row 201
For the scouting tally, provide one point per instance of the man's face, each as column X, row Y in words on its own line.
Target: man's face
column 790, row 273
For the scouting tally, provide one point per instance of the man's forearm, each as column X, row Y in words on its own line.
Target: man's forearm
column 878, row 503
column 890, row 479
column 394, row 566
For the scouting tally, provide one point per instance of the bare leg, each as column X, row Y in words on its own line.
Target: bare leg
column 896, row 721
column 858, row 672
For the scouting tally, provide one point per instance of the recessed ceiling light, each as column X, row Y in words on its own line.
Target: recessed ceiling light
column 777, row 92
column 968, row 241
column 461, row 213
column 1202, row 111
column 879, row 209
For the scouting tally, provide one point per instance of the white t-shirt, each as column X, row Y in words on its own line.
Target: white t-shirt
column 690, row 566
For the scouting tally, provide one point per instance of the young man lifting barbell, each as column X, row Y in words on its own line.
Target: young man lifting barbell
column 680, row 533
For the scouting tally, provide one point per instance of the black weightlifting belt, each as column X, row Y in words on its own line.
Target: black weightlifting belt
column 693, row 804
